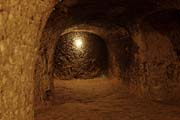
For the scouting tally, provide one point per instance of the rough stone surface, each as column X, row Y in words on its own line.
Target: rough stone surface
column 148, row 63
column 156, row 72
column 88, row 60
column 21, row 24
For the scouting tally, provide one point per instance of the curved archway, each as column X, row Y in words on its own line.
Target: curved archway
column 80, row 55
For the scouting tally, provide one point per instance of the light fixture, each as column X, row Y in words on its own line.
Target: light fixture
column 78, row 42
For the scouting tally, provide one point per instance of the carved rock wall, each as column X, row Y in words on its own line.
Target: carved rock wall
column 21, row 24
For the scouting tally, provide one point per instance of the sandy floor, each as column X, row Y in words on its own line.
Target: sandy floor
column 102, row 100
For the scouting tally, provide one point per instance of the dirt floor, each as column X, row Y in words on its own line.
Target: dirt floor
column 102, row 99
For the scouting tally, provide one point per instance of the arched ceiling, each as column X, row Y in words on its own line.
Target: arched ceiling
column 115, row 11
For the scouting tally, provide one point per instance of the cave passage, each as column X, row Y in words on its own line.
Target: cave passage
column 80, row 55
column 89, row 59
column 109, row 60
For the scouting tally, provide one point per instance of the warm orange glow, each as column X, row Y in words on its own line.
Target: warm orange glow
column 78, row 42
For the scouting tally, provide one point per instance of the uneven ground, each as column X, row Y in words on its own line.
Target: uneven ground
column 102, row 99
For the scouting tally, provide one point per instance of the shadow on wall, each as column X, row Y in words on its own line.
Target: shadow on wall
column 157, row 75
column 168, row 24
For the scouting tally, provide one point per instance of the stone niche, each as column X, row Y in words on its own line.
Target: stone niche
column 80, row 55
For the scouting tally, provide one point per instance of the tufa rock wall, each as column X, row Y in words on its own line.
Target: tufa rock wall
column 21, row 24
column 156, row 73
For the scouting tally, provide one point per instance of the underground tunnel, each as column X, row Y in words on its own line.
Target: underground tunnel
column 90, row 60
column 80, row 55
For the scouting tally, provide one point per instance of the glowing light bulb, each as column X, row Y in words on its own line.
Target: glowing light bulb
column 78, row 42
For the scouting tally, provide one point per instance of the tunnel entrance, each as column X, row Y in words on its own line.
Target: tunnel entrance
column 140, row 60
column 80, row 55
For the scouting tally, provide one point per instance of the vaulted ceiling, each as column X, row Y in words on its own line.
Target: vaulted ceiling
column 120, row 11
